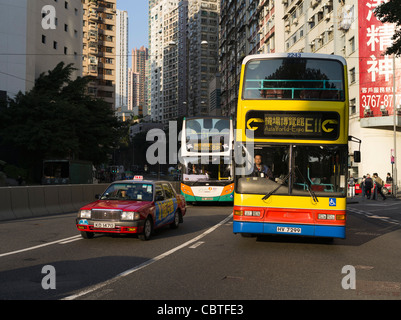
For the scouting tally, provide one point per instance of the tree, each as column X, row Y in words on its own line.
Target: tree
column 58, row 120
column 390, row 12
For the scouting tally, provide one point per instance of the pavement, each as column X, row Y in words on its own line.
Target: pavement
column 363, row 200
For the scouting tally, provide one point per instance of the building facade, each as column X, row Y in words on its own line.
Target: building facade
column 35, row 36
column 122, row 61
column 203, row 53
column 347, row 28
column 140, row 59
column 99, row 48
column 164, row 61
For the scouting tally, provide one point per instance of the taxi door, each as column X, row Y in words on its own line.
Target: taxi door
column 165, row 204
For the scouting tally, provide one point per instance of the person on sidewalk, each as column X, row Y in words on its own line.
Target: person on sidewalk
column 368, row 186
column 379, row 185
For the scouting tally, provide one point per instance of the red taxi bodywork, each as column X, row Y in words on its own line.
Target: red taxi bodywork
column 160, row 206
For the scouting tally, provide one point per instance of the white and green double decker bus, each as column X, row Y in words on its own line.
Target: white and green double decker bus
column 207, row 171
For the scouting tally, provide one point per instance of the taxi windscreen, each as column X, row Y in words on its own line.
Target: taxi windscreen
column 129, row 191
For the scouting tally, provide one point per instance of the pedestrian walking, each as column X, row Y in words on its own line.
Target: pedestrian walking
column 351, row 186
column 362, row 185
column 379, row 185
column 368, row 186
column 389, row 179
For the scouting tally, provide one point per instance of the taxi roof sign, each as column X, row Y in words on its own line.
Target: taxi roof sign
column 138, row 178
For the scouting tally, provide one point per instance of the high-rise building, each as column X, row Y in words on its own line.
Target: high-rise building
column 35, row 36
column 99, row 48
column 139, row 63
column 164, row 61
column 203, row 48
column 122, row 61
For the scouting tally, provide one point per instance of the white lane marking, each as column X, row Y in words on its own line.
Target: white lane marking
column 146, row 263
column 196, row 245
column 373, row 216
column 72, row 240
column 38, row 246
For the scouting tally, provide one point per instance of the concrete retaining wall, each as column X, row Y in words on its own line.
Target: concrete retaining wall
column 28, row 202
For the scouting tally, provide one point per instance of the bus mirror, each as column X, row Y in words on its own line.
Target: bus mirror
column 357, row 156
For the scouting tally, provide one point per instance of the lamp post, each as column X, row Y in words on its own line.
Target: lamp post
column 395, row 115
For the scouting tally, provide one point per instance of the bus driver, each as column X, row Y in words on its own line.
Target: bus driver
column 261, row 170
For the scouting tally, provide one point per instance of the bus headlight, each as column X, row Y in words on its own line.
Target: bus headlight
column 247, row 213
column 323, row 216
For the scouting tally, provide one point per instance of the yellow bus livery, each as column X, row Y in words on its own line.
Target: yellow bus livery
column 292, row 132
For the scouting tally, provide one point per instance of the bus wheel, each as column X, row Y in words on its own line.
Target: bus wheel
column 247, row 235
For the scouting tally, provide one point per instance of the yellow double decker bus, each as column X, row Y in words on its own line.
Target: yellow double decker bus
column 292, row 146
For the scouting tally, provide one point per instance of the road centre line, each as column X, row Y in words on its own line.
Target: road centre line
column 196, row 245
column 147, row 263
column 40, row 246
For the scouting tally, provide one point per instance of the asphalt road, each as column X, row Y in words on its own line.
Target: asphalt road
column 203, row 260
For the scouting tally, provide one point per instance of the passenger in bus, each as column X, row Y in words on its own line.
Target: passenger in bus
column 309, row 94
column 193, row 169
column 261, row 170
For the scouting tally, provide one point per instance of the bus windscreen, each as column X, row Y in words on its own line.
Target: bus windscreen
column 294, row 79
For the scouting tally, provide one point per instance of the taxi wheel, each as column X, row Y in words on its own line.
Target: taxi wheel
column 87, row 235
column 147, row 230
column 176, row 222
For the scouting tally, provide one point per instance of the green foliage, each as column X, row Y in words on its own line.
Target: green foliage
column 390, row 12
column 57, row 119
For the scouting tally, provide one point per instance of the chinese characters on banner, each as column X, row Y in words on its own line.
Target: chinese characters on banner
column 375, row 68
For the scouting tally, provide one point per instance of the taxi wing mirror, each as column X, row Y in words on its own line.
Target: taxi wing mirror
column 97, row 196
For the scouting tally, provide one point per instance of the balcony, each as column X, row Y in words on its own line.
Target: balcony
column 381, row 118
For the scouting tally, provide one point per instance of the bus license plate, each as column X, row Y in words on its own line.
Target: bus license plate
column 207, row 199
column 289, row 230
column 104, row 225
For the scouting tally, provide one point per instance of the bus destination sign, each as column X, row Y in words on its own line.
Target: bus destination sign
column 294, row 125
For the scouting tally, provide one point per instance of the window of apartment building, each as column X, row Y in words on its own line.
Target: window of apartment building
column 65, row 50
column 352, row 76
column 109, row 60
column 55, row 45
column 109, row 27
column 66, row 4
column 43, row 38
column 109, row 72
column 352, row 44
column 352, row 106
column 66, row 27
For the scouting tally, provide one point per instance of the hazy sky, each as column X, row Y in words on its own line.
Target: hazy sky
column 138, row 22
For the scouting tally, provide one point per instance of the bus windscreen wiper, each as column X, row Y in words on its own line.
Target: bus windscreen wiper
column 312, row 194
column 274, row 191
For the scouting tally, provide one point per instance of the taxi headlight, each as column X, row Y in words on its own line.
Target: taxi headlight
column 86, row 214
column 130, row 215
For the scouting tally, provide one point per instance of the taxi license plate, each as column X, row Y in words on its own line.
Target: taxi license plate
column 289, row 230
column 104, row 225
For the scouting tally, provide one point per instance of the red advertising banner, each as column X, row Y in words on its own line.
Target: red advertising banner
column 376, row 70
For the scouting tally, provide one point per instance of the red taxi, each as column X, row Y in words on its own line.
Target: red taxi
column 132, row 207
